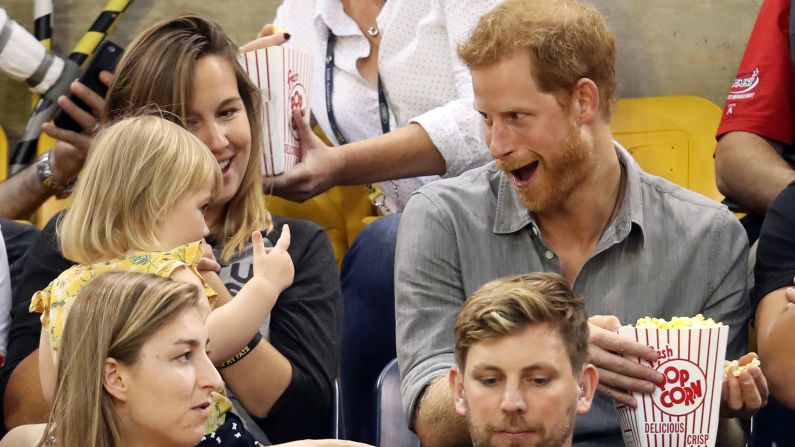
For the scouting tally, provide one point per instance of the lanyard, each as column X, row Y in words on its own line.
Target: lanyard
column 383, row 107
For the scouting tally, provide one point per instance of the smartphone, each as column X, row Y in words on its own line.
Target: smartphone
column 105, row 58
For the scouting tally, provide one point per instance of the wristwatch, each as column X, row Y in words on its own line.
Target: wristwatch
column 44, row 170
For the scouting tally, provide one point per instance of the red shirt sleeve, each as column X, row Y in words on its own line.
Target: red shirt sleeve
column 761, row 97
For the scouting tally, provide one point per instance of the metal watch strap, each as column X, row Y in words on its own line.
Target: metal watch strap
column 44, row 170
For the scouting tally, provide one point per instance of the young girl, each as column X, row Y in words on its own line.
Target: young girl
column 139, row 206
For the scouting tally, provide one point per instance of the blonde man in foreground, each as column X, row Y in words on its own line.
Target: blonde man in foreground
column 509, row 393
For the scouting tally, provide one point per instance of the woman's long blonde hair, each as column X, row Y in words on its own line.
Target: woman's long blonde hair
column 158, row 68
column 113, row 316
column 136, row 171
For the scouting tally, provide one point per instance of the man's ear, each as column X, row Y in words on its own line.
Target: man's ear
column 585, row 101
column 456, row 382
column 588, row 381
column 113, row 379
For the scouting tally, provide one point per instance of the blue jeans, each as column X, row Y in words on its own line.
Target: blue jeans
column 368, row 332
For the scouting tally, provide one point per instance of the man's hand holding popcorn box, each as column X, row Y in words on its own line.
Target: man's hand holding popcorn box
column 662, row 376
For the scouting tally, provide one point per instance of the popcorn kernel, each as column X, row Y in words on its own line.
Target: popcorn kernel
column 739, row 369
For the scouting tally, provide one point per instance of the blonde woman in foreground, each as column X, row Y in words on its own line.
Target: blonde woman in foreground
column 135, row 370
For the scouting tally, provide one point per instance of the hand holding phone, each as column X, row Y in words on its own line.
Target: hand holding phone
column 105, row 58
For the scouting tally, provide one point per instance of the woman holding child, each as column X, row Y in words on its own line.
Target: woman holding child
column 188, row 68
column 144, row 219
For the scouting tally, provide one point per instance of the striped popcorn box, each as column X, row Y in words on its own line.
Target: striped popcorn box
column 684, row 410
column 283, row 76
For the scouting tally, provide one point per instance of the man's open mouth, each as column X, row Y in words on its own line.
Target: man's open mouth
column 522, row 176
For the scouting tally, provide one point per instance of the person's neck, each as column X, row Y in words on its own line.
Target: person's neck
column 139, row 442
column 574, row 227
column 365, row 14
column 159, row 246
column 586, row 212
column 363, row 11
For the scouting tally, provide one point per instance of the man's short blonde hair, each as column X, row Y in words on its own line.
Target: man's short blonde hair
column 136, row 171
column 566, row 39
column 506, row 305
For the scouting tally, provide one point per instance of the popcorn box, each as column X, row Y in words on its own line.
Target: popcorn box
column 684, row 410
column 283, row 76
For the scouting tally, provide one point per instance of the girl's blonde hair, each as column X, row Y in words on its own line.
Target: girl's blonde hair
column 158, row 67
column 113, row 316
column 136, row 171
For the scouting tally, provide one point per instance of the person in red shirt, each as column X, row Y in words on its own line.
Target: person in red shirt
column 754, row 157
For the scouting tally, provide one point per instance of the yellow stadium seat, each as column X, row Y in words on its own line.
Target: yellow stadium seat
column 3, row 155
column 672, row 137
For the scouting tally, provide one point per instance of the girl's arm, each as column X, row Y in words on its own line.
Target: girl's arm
column 47, row 372
column 245, row 376
column 301, row 355
column 232, row 325
column 256, row 390
column 229, row 331
column 214, row 281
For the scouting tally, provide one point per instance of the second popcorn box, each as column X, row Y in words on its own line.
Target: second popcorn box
column 684, row 410
column 283, row 76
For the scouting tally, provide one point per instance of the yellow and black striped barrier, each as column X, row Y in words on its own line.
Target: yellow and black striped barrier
column 42, row 31
column 42, row 22
column 99, row 29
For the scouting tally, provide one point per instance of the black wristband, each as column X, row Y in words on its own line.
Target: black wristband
column 255, row 340
column 243, row 351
